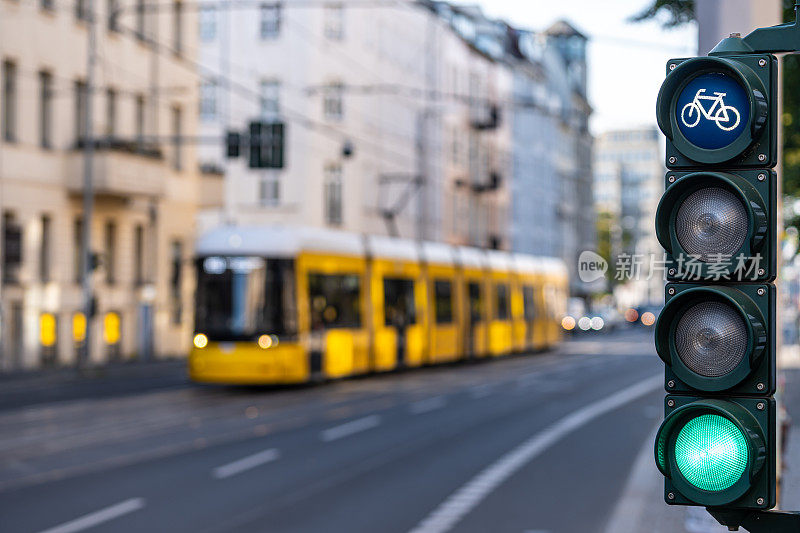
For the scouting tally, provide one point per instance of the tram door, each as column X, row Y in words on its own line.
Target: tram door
column 400, row 313
column 529, row 304
column 474, row 315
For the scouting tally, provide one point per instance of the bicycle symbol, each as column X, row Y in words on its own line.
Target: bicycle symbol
column 720, row 113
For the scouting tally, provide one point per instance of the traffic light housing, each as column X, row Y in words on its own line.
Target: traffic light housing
column 717, row 222
column 715, row 338
column 719, row 225
column 720, row 111
column 718, row 452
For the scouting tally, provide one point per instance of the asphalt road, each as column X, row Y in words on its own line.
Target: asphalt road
column 536, row 443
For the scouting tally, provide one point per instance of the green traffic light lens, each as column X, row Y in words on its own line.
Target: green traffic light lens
column 711, row 452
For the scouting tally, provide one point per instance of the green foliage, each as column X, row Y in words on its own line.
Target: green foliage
column 677, row 12
column 791, row 115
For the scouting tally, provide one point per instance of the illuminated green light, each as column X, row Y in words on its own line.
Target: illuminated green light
column 711, row 452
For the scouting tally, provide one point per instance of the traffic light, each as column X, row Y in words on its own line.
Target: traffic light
column 266, row 144
column 720, row 110
column 717, row 221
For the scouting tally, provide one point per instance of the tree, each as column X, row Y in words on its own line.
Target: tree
column 679, row 12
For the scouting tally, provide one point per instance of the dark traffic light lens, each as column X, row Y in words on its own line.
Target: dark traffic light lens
column 711, row 452
column 711, row 339
column 712, row 223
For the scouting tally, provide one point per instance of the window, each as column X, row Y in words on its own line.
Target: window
column 270, row 93
column 208, row 100
column 141, row 25
column 335, row 300
column 501, row 311
column 398, row 302
column 111, row 112
column 81, row 10
column 47, row 4
column 9, row 106
column 81, row 100
column 333, row 107
column 177, row 141
column 270, row 26
column 177, row 26
column 12, row 247
column 208, row 24
column 138, row 255
column 44, row 249
column 110, row 245
column 269, row 192
column 529, row 302
column 139, row 118
column 113, row 15
column 475, row 294
column 176, row 281
column 443, row 292
column 77, row 241
column 334, row 22
column 45, row 109
column 333, row 194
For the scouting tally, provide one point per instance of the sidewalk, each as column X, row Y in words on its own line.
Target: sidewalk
column 20, row 389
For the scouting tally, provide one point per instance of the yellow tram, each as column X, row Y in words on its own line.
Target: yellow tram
column 281, row 304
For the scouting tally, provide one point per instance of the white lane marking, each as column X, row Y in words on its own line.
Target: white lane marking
column 466, row 498
column 349, row 428
column 98, row 517
column 246, row 463
column 427, row 405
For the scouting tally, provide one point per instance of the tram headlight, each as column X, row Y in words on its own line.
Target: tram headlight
column 200, row 340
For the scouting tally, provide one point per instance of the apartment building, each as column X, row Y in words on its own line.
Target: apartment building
column 392, row 119
column 146, row 182
column 629, row 184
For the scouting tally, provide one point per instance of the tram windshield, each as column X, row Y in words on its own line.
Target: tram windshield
column 241, row 298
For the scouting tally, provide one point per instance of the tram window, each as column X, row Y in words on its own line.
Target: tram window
column 241, row 298
column 475, row 302
column 529, row 302
column 335, row 300
column 443, row 291
column 501, row 301
column 398, row 302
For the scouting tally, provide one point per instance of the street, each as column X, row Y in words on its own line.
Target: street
column 498, row 446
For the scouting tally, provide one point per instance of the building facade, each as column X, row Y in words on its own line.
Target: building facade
column 629, row 184
column 394, row 120
column 146, row 182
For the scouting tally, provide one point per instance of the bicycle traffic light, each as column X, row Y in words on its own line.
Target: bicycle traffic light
column 720, row 111
column 717, row 222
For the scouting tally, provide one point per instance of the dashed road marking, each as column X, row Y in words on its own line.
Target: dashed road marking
column 427, row 405
column 98, row 517
column 246, row 463
column 349, row 428
column 470, row 495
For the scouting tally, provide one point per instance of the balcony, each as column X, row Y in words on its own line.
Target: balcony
column 120, row 170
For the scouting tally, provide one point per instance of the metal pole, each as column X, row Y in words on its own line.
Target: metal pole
column 84, row 357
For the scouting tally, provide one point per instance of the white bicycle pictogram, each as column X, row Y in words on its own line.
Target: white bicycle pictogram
column 719, row 113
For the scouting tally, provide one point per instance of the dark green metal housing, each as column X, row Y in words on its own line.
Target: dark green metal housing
column 755, row 417
column 757, row 145
column 755, row 374
column 757, row 189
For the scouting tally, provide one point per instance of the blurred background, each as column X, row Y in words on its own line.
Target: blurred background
column 522, row 132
